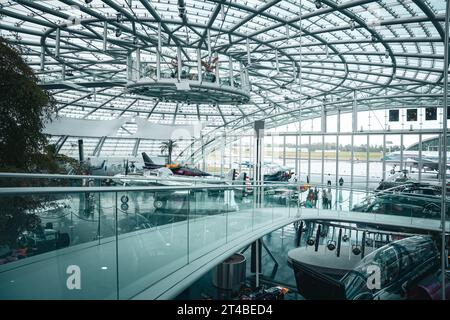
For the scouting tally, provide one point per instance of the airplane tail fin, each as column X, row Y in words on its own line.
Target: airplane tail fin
column 147, row 160
column 148, row 163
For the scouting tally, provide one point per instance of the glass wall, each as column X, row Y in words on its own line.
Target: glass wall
column 362, row 159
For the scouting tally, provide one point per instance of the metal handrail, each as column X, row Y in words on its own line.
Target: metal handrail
column 87, row 177
column 45, row 190
column 130, row 177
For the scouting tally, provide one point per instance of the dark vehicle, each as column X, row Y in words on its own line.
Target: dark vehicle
column 46, row 241
column 409, row 200
column 395, row 180
column 414, row 187
column 403, row 267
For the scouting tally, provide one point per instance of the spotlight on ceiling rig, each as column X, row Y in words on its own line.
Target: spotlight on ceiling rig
column 118, row 32
column 318, row 4
column 352, row 25
column 181, row 9
column 88, row 1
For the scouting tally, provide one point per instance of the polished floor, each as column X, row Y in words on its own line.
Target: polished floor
column 279, row 243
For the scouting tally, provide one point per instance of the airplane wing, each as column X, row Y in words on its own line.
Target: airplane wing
column 432, row 164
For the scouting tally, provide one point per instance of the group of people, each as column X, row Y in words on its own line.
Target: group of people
column 327, row 196
column 313, row 197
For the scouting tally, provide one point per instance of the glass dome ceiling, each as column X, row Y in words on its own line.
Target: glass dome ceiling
column 298, row 54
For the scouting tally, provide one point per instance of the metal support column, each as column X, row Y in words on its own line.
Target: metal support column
column 338, row 129
column 297, row 160
column 384, row 158
column 158, row 54
column 222, row 155
column 57, row 42
column 255, row 261
column 136, row 147
column 217, row 73
column 230, row 71
column 277, row 64
column 444, row 255
column 420, row 158
column 298, row 155
column 105, row 36
column 309, row 157
column 323, row 159
column 241, row 75
column 352, row 156
column 354, row 113
column 179, row 63
column 249, row 59
column 272, row 148
column 354, row 129
column 208, row 43
column 199, row 65
column 129, row 67
column 42, row 58
column 401, row 153
column 367, row 163
column 258, row 177
column 138, row 63
column 240, row 154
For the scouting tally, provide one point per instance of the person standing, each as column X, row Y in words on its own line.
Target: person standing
column 330, row 198
column 324, row 199
column 311, row 197
column 316, row 196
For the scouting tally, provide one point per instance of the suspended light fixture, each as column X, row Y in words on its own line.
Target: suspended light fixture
column 88, row 1
column 118, row 32
column 356, row 249
column 181, row 9
column 318, row 4
column 331, row 245
column 352, row 25
column 345, row 237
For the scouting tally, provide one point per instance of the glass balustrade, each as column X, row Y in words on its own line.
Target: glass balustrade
column 124, row 239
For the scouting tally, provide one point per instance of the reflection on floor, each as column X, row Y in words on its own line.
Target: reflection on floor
column 279, row 243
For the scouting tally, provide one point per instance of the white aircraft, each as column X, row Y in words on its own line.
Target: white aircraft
column 429, row 159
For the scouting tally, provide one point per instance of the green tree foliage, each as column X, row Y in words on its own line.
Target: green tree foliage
column 168, row 146
column 24, row 110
